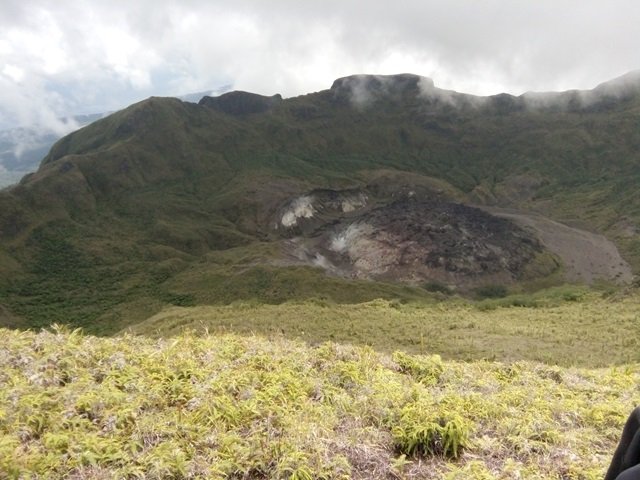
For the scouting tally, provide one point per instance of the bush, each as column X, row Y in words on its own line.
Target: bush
column 437, row 287
column 424, row 369
column 492, row 291
column 419, row 433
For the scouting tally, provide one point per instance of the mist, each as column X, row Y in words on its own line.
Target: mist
column 85, row 57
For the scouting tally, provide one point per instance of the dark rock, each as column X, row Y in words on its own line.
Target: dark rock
column 362, row 89
column 241, row 103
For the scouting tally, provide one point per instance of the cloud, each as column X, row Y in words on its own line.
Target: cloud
column 78, row 56
column 28, row 102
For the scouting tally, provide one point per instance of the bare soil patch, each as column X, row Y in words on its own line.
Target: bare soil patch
column 587, row 256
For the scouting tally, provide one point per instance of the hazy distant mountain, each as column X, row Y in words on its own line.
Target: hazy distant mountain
column 22, row 149
column 368, row 189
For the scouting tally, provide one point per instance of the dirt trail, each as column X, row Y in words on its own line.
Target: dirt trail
column 587, row 256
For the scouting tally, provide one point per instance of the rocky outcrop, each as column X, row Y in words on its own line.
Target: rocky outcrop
column 241, row 103
column 362, row 90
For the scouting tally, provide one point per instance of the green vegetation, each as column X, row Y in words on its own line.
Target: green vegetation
column 122, row 210
column 103, row 296
column 492, row 291
column 225, row 406
column 566, row 326
column 437, row 287
column 158, row 221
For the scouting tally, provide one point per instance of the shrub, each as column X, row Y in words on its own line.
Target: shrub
column 424, row 369
column 421, row 432
column 492, row 291
column 437, row 287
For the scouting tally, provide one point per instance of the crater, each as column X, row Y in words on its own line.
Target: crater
column 411, row 239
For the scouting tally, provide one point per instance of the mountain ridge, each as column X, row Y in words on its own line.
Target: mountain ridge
column 164, row 182
column 23, row 148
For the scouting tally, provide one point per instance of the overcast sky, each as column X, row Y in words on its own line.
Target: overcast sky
column 62, row 57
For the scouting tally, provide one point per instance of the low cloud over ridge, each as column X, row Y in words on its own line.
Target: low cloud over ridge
column 84, row 57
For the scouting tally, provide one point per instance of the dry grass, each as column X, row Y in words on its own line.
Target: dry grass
column 565, row 327
column 227, row 406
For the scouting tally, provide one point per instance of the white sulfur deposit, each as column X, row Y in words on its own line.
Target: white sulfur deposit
column 320, row 260
column 343, row 241
column 353, row 203
column 301, row 207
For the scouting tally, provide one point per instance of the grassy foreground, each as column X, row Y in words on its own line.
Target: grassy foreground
column 229, row 406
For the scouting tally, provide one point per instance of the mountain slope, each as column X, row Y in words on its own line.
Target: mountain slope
column 164, row 187
column 22, row 149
